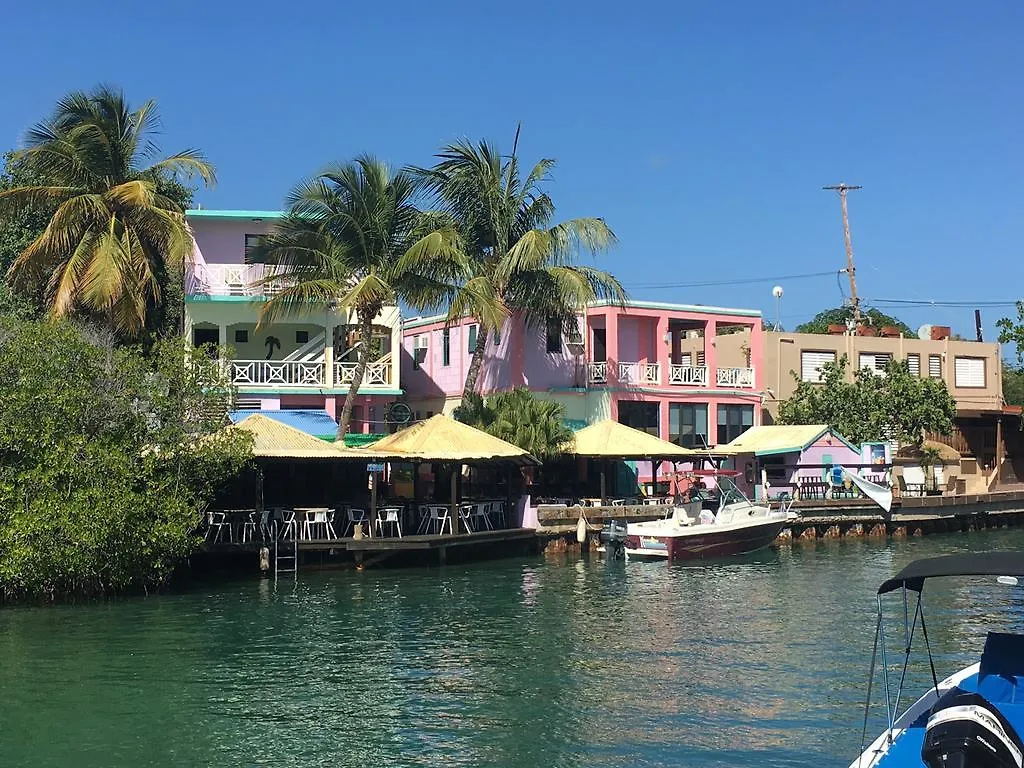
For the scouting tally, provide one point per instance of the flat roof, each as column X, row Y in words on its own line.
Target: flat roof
column 210, row 213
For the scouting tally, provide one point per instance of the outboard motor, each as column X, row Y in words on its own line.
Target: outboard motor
column 969, row 732
column 613, row 537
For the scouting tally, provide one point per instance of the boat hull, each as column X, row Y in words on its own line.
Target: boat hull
column 697, row 544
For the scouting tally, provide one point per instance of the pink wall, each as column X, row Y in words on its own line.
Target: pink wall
column 222, row 241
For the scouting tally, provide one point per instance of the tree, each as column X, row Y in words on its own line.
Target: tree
column 353, row 238
column 840, row 315
column 107, row 459
column 518, row 260
column 113, row 238
column 520, row 418
column 893, row 406
column 1013, row 383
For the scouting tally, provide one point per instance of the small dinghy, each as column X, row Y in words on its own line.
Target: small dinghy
column 975, row 717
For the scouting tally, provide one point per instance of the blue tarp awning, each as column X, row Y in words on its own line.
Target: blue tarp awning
column 316, row 422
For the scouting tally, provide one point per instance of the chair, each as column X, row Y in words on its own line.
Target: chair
column 390, row 516
column 436, row 518
column 498, row 516
column 950, row 489
column 480, row 513
column 217, row 521
column 318, row 520
column 356, row 516
column 249, row 527
column 910, row 489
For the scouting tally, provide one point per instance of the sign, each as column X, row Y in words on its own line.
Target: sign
column 374, row 467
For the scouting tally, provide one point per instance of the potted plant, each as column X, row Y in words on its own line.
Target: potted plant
column 929, row 457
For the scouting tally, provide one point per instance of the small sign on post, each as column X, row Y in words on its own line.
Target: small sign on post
column 374, row 467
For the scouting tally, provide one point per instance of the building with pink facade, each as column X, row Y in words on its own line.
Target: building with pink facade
column 653, row 366
column 302, row 362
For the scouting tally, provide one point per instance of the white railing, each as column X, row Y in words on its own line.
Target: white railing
column 234, row 280
column 597, row 373
column 639, row 373
column 735, row 377
column 377, row 374
column 693, row 375
column 278, row 373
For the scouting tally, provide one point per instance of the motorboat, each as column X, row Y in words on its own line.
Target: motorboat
column 714, row 523
column 973, row 718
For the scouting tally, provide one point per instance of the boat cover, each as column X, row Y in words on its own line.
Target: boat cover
column 965, row 564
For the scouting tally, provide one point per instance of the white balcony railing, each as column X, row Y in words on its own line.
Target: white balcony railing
column 597, row 373
column 639, row 373
column 278, row 373
column 234, row 280
column 688, row 375
column 735, row 377
column 377, row 374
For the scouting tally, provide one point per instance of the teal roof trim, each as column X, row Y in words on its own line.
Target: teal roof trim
column 681, row 308
column 205, row 297
column 204, row 213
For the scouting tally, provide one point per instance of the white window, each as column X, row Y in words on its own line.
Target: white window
column 686, row 359
column 969, row 372
column 701, row 362
column 935, row 366
column 874, row 362
column 811, row 364
column 914, row 364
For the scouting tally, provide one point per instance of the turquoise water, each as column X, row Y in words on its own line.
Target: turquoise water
column 760, row 661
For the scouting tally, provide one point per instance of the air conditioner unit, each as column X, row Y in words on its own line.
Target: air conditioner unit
column 421, row 342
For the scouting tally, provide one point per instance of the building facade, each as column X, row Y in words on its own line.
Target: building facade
column 300, row 362
column 658, row 367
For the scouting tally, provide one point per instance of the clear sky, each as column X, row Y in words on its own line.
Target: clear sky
column 702, row 131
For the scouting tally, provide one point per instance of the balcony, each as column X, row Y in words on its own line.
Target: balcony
column 597, row 373
column 639, row 373
column 377, row 374
column 740, row 378
column 688, row 375
column 277, row 373
column 234, row 280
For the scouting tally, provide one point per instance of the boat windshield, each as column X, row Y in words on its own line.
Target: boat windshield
column 731, row 494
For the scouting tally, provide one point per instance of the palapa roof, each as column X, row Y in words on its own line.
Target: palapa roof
column 274, row 439
column 947, row 453
column 610, row 440
column 443, row 439
column 782, row 438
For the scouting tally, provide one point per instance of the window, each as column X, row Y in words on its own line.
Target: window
column 251, row 242
column 497, row 336
column 642, row 416
column 733, row 421
column 701, row 360
column 241, row 337
column 473, row 331
column 914, row 364
column 812, row 363
column 357, row 418
column 688, row 424
column 446, row 347
column 969, row 372
column 554, row 335
column 935, row 366
column 874, row 362
column 371, row 418
column 416, row 352
column 302, row 337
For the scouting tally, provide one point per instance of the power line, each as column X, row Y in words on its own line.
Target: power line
column 740, row 281
column 940, row 303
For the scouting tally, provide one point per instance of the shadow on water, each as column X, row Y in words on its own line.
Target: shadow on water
column 760, row 660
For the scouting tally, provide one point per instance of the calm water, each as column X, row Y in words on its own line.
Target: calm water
column 754, row 662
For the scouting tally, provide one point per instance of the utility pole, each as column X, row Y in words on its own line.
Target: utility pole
column 851, row 270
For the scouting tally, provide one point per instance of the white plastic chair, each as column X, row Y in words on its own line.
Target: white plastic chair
column 480, row 515
column 317, row 521
column 356, row 516
column 249, row 527
column 437, row 518
column 389, row 516
column 217, row 521
column 289, row 526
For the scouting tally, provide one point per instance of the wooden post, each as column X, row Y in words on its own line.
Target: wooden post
column 415, row 496
column 654, row 477
column 603, row 493
column 509, row 476
column 999, row 448
column 456, row 527
column 373, row 502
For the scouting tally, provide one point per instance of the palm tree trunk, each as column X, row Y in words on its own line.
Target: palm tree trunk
column 365, row 337
column 476, row 363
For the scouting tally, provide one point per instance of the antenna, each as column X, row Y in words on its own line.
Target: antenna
column 851, row 270
column 777, row 292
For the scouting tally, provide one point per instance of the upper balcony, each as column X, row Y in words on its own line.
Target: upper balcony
column 646, row 374
column 235, row 280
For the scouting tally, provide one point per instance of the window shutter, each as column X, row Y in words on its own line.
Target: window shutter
column 914, row 364
column 969, row 372
column 935, row 366
column 874, row 361
column 811, row 364
column 686, row 359
column 700, row 360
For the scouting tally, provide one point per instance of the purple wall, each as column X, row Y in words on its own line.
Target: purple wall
column 222, row 241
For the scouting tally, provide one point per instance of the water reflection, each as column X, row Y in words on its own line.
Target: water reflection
column 756, row 661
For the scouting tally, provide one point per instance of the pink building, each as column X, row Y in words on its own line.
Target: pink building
column 657, row 367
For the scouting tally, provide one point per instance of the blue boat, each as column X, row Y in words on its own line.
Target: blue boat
column 975, row 717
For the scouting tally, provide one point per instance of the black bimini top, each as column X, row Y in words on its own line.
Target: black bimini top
column 966, row 564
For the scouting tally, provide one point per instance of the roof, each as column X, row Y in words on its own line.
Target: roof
column 612, row 440
column 782, row 438
column 965, row 564
column 946, row 452
column 204, row 213
column 317, row 423
column 274, row 439
column 442, row 439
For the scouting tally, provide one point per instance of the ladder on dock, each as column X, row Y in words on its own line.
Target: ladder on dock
column 284, row 562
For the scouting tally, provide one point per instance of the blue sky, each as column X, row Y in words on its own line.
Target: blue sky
column 702, row 131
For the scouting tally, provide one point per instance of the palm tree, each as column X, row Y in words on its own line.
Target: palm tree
column 352, row 237
column 113, row 236
column 521, row 418
column 519, row 262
